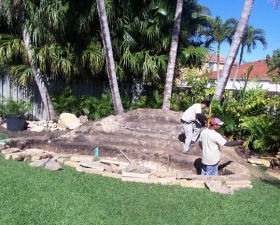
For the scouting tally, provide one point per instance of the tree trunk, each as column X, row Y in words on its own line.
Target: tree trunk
column 172, row 56
column 237, row 69
column 51, row 114
column 118, row 107
column 218, row 62
column 247, row 8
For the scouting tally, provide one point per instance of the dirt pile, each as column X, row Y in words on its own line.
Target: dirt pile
column 145, row 136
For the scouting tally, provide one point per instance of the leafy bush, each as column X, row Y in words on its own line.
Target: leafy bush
column 196, row 92
column 261, row 132
column 66, row 102
column 12, row 107
column 154, row 101
column 229, row 128
column 90, row 106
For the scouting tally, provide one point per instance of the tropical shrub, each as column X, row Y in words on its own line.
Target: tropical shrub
column 153, row 101
column 65, row 102
column 90, row 106
column 196, row 92
column 229, row 128
column 261, row 132
column 11, row 107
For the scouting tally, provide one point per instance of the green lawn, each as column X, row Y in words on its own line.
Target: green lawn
column 38, row 196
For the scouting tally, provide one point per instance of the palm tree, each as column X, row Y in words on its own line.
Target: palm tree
column 172, row 55
column 118, row 107
column 185, row 45
column 46, row 47
column 246, row 12
column 249, row 40
column 11, row 11
column 218, row 32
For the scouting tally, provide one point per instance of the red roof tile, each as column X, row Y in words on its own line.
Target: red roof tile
column 259, row 70
column 214, row 58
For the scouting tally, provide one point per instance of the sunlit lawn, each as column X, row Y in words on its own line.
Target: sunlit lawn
column 38, row 196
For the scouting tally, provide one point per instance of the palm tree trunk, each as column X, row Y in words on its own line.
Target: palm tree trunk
column 218, row 62
column 172, row 56
column 237, row 69
column 37, row 74
column 118, row 107
column 247, row 8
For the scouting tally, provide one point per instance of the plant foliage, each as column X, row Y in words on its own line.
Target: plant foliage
column 11, row 107
column 262, row 132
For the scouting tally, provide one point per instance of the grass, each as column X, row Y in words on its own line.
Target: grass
column 38, row 196
column 3, row 135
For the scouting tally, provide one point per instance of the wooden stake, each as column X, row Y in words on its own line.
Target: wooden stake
column 210, row 112
column 168, row 162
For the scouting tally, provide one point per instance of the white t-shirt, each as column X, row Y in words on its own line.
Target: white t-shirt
column 190, row 114
column 211, row 140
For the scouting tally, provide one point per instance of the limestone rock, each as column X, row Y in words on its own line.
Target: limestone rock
column 52, row 165
column 2, row 146
column 71, row 163
column 183, row 174
column 35, row 151
column 115, row 168
column 41, row 156
column 82, row 158
column 89, row 170
column 136, row 175
column 70, row 120
column 190, row 183
column 93, row 165
column 263, row 162
column 83, row 119
column 217, row 187
column 163, row 174
column 39, row 163
column 18, row 156
column 62, row 160
column 274, row 174
column 61, row 124
column 37, row 128
column 137, row 169
column 10, row 150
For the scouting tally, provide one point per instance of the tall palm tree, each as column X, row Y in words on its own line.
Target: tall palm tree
column 43, row 44
column 185, row 44
column 172, row 55
column 118, row 107
column 249, row 40
column 246, row 12
column 11, row 11
column 218, row 32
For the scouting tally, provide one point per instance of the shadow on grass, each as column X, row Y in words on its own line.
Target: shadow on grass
column 272, row 181
column 267, row 179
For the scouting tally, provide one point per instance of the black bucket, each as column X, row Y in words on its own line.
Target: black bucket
column 15, row 122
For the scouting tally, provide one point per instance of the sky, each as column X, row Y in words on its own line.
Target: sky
column 263, row 16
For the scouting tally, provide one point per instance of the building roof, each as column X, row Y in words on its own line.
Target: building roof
column 259, row 71
column 214, row 58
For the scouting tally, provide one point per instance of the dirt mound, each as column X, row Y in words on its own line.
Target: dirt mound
column 145, row 136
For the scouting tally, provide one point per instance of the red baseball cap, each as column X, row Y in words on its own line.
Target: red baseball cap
column 216, row 121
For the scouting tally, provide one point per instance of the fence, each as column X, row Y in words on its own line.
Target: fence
column 94, row 87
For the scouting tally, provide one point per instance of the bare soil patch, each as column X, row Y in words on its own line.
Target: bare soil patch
column 144, row 135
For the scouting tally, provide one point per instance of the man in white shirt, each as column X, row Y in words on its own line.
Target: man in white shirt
column 190, row 125
column 209, row 141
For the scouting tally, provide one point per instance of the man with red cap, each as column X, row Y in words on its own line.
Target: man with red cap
column 209, row 141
